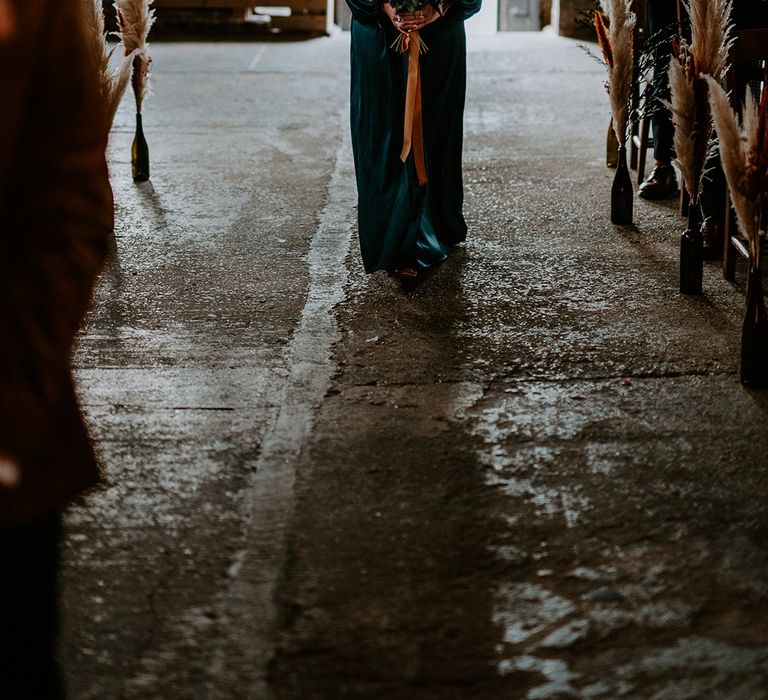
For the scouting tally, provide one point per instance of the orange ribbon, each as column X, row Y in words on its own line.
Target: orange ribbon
column 412, row 128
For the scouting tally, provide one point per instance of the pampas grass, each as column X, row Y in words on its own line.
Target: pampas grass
column 706, row 54
column 135, row 18
column 617, row 44
column 684, row 113
column 112, row 81
column 744, row 154
column 710, row 29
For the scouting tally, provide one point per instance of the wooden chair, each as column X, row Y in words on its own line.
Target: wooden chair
column 748, row 61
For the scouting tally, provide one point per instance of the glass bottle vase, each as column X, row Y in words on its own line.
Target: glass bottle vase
column 611, row 147
column 754, row 335
column 622, row 194
column 140, row 153
column 692, row 253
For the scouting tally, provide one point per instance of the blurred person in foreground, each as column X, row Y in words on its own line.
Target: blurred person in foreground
column 55, row 224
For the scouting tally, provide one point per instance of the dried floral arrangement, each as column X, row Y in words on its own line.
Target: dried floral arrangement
column 401, row 42
column 406, row 6
column 706, row 54
column 744, row 155
column 646, row 60
column 615, row 34
column 135, row 18
column 112, row 81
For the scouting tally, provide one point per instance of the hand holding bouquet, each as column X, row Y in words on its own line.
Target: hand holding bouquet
column 410, row 16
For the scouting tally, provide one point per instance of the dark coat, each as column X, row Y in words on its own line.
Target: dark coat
column 55, row 224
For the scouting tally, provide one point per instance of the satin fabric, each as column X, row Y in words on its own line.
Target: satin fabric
column 400, row 223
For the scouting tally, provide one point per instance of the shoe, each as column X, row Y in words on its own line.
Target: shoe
column 406, row 274
column 660, row 184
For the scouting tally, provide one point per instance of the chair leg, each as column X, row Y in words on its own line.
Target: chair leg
column 634, row 153
column 645, row 126
column 729, row 254
column 633, row 132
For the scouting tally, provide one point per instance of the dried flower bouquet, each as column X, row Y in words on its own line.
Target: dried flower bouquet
column 706, row 54
column 112, row 81
column 615, row 32
column 135, row 18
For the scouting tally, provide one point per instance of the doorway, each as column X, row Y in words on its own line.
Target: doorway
column 519, row 15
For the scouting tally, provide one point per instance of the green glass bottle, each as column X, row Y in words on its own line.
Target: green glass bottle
column 140, row 153
column 692, row 253
column 622, row 193
column 754, row 335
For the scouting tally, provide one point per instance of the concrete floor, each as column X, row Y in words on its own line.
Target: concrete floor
column 534, row 476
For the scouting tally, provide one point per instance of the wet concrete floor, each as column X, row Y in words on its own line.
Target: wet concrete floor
column 535, row 475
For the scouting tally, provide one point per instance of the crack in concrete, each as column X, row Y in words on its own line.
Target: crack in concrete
column 518, row 378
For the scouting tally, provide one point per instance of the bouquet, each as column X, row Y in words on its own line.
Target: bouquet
column 407, row 7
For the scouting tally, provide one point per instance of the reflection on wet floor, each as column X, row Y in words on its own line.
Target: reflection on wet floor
column 616, row 571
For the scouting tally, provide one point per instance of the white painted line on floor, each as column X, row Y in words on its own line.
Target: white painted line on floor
column 249, row 613
column 257, row 58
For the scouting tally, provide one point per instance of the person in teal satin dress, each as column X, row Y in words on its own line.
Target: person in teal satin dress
column 404, row 227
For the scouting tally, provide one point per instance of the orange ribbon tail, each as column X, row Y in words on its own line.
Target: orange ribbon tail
column 413, row 137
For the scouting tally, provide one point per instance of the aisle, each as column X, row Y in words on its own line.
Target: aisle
column 534, row 476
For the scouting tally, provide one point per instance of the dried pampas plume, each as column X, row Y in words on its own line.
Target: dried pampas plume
column 683, row 108
column 745, row 160
column 710, row 30
column 603, row 39
column 616, row 39
column 112, row 81
column 135, row 18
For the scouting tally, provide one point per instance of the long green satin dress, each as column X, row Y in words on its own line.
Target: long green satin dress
column 401, row 223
